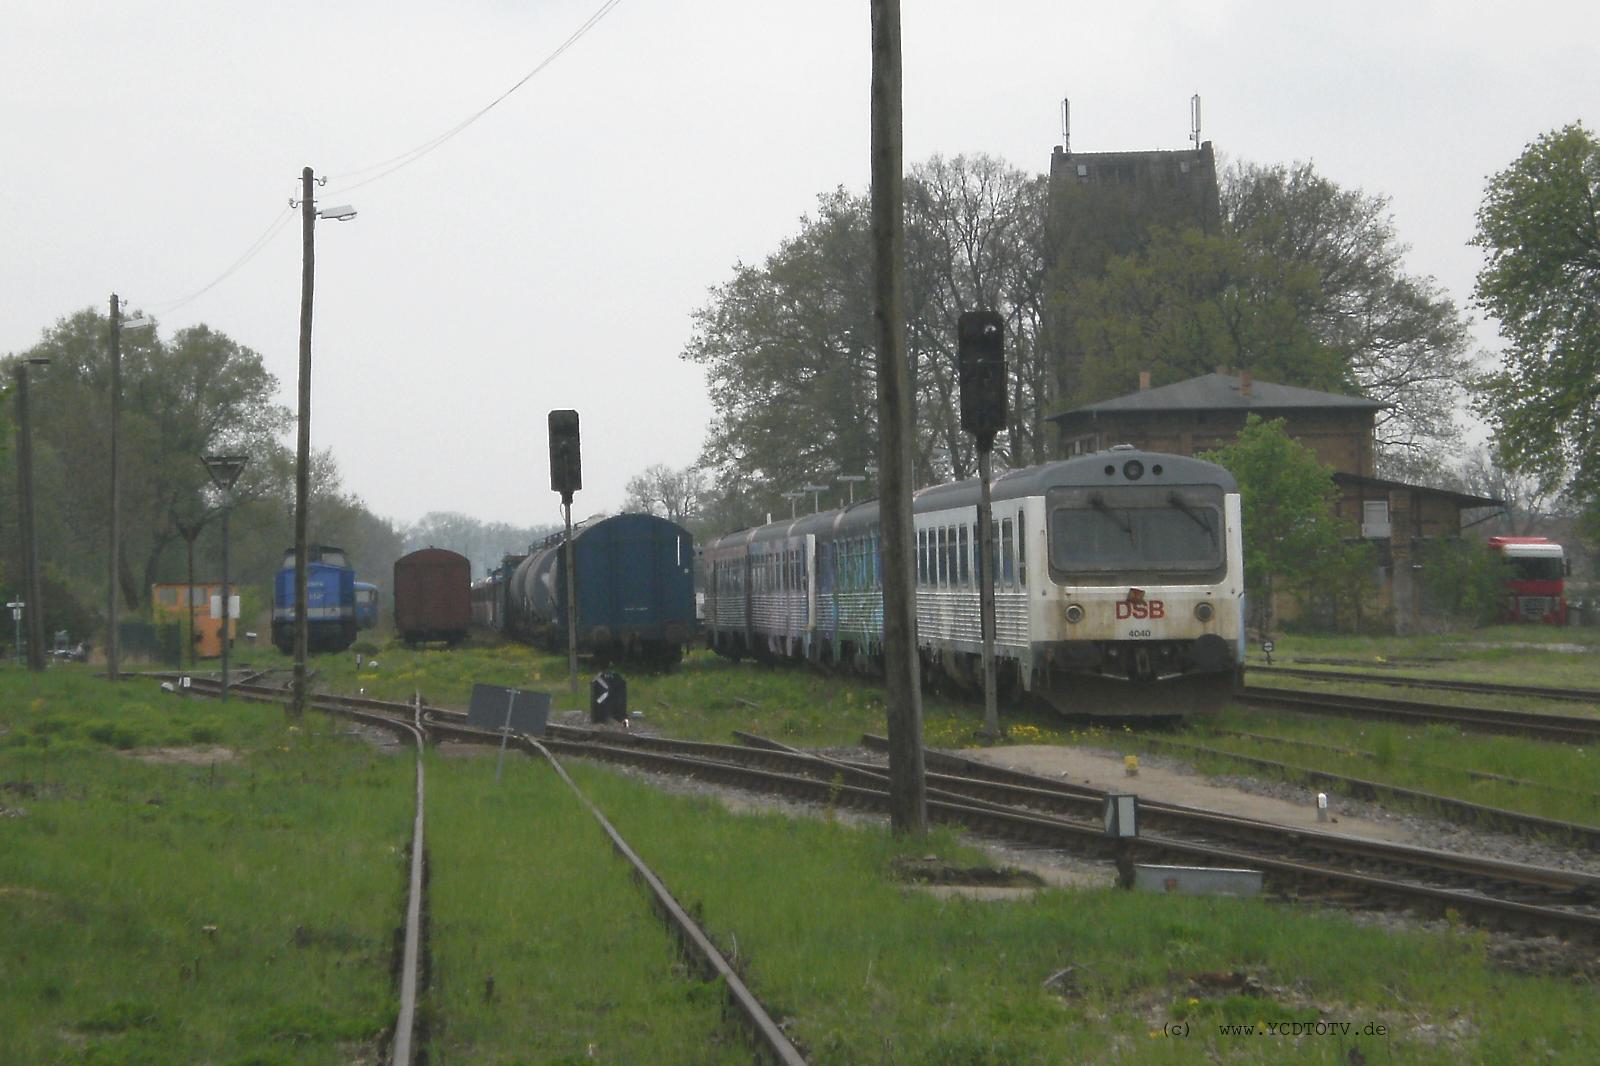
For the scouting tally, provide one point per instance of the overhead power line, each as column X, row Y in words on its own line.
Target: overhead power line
column 272, row 230
column 389, row 166
column 394, row 163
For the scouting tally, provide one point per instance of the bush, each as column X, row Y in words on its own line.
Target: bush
column 1461, row 582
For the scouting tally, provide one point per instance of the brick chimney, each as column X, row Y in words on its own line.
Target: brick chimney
column 1244, row 384
column 1144, row 380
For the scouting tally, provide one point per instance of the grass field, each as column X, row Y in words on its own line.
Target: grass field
column 234, row 901
column 229, row 899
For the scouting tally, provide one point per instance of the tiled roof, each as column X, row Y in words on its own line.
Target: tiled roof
column 1219, row 392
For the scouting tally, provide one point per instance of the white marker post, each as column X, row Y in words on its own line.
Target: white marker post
column 505, row 732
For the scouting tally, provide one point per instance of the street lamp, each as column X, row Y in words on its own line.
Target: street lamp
column 302, row 469
column 30, row 542
column 118, row 324
column 852, row 479
column 224, row 471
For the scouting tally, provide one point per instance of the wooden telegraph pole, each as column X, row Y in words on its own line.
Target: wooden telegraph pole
column 908, row 799
column 112, row 663
column 302, row 465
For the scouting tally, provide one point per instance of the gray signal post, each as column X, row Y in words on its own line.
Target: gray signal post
column 980, row 348
column 16, row 607
column 30, row 540
column 224, row 471
column 566, row 477
column 118, row 324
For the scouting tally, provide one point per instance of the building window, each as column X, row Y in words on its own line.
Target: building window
column 1375, row 519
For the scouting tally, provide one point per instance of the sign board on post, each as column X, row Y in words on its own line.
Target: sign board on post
column 529, row 711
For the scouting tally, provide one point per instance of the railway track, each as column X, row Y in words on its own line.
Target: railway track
column 1039, row 811
column 1449, row 807
column 767, row 1036
column 1578, row 695
column 1349, row 751
column 1563, row 728
column 1296, row 863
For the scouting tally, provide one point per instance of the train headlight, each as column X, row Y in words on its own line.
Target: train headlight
column 1204, row 611
column 1133, row 470
column 1074, row 613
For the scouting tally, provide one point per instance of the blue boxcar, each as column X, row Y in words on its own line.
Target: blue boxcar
column 635, row 590
column 330, row 601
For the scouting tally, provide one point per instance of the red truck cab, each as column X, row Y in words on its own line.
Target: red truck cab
column 1536, row 587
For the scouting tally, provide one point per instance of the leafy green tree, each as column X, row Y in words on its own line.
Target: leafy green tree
column 182, row 397
column 1399, row 337
column 1303, row 284
column 788, row 346
column 1292, row 541
column 1462, row 582
column 198, row 392
column 1540, row 228
column 1191, row 302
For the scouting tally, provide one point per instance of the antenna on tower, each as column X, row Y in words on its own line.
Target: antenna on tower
column 1066, row 125
column 1194, row 119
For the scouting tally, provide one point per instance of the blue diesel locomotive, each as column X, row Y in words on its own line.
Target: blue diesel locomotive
column 330, row 601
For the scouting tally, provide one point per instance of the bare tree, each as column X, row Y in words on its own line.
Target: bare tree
column 660, row 490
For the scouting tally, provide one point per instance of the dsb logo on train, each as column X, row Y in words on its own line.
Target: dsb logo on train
column 1141, row 609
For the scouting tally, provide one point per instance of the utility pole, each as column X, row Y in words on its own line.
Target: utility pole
column 302, row 466
column 30, row 540
column 114, row 566
column 116, row 511
column 908, row 799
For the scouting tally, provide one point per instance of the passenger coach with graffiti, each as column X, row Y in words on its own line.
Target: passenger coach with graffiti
column 1119, row 585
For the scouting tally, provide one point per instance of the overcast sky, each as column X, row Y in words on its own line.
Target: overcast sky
column 551, row 254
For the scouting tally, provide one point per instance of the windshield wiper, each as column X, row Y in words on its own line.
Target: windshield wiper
column 1099, row 504
column 1178, row 502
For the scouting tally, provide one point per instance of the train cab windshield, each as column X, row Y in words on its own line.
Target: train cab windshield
column 1108, row 531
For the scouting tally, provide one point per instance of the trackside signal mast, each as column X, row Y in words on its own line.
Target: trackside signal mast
column 566, row 477
column 981, row 355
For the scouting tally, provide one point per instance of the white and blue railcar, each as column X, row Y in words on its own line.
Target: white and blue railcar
column 1118, row 580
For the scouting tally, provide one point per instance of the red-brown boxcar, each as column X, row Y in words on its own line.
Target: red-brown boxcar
column 432, row 596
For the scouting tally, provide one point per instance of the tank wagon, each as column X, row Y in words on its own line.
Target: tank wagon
column 489, row 595
column 432, row 596
column 634, row 580
column 1118, row 579
column 330, row 601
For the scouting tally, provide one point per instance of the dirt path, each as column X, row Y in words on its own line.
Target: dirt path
column 1105, row 770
